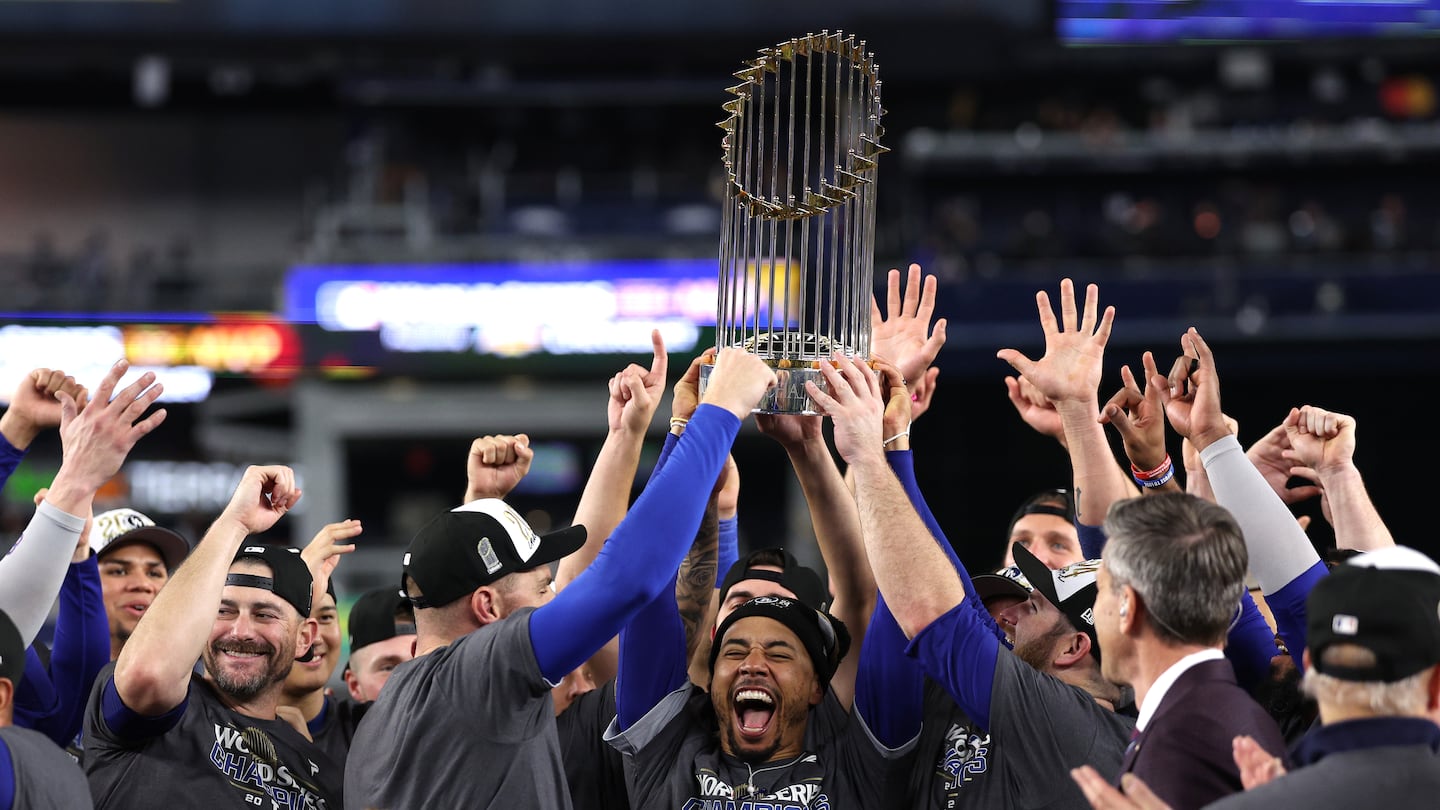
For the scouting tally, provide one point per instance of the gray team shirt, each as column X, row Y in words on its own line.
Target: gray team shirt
column 673, row 761
column 468, row 725
column 46, row 778
column 212, row 757
column 1041, row 728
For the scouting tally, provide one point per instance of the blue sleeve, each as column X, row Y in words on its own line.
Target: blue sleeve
column 902, row 463
column 641, row 557
column 1092, row 540
column 1287, row 605
column 7, row 777
column 36, row 705
column 82, row 645
column 652, row 660
column 728, row 552
column 127, row 724
column 1250, row 645
column 889, row 685
column 9, row 459
column 958, row 653
column 670, row 441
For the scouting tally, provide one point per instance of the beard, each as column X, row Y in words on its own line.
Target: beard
column 1039, row 652
column 790, row 720
column 246, row 687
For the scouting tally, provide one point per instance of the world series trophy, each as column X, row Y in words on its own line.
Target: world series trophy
column 797, row 236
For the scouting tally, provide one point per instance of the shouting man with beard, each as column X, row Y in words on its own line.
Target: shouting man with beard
column 156, row 729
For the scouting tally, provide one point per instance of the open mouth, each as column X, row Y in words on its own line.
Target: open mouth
column 136, row 608
column 754, row 711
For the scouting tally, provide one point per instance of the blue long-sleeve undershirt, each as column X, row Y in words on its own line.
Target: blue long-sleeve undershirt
column 907, row 681
column 52, row 701
column 638, row 563
column 1287, row 605
column 728, row 551
column 10, row 458
column 1092, row 540
column 902, row 463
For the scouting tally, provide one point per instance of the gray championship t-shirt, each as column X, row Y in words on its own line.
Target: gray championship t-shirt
column 46, row 778
column 468, row 725
column 212, row 757
column 1041, row 728
column 673, row 761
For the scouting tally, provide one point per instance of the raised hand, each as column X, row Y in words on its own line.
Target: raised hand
column 687, row 388
column 1319, row 439
column 35, row 407
column 738, row 382
column 635, row 392
column 1035, row 409
column 1191, row 393
column 1271, row 456
column 495, row 465
column 1138, row 416
column 903, row 335
column 1070, row 369
column 95, row 442
column 854, row 403
column 262, row 497
column 323, row 552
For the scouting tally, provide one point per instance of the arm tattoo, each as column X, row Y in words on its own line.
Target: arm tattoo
column 696, row 581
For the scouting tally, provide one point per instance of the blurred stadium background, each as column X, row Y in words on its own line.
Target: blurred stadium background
column 355, row 235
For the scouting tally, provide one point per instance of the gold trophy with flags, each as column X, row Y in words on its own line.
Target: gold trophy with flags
column 802, row 136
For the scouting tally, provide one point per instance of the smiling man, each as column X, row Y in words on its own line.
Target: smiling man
column 135, row 557
column 765, row 731
column 155, row 727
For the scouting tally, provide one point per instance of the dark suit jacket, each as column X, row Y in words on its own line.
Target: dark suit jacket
column 1185, row 753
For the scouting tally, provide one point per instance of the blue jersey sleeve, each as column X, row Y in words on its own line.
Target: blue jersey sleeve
column 10, row 458
column 37, row 707
column 889, row 685
column 127, row 724
column 902, row 463
column 1250, row 645
column 82, row 645
column 958, row 652
column 1092, row 540
column 1287, row 605
column 652, row 660
column 728, row 550
column 640, row 560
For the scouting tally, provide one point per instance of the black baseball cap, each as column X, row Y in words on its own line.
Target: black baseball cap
column 1386, row 601
column 794, row 577
column 373, row 618
column 1072, row 589
column 824, row 637
column 476, row 544
column 118, row 528
column 12, row 650
column 1044, row 503
column 289, row 578
column 1008, row 581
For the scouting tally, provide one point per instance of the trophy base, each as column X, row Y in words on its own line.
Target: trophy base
column 787, row 397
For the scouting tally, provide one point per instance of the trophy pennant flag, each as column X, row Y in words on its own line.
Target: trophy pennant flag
column 797, row 241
